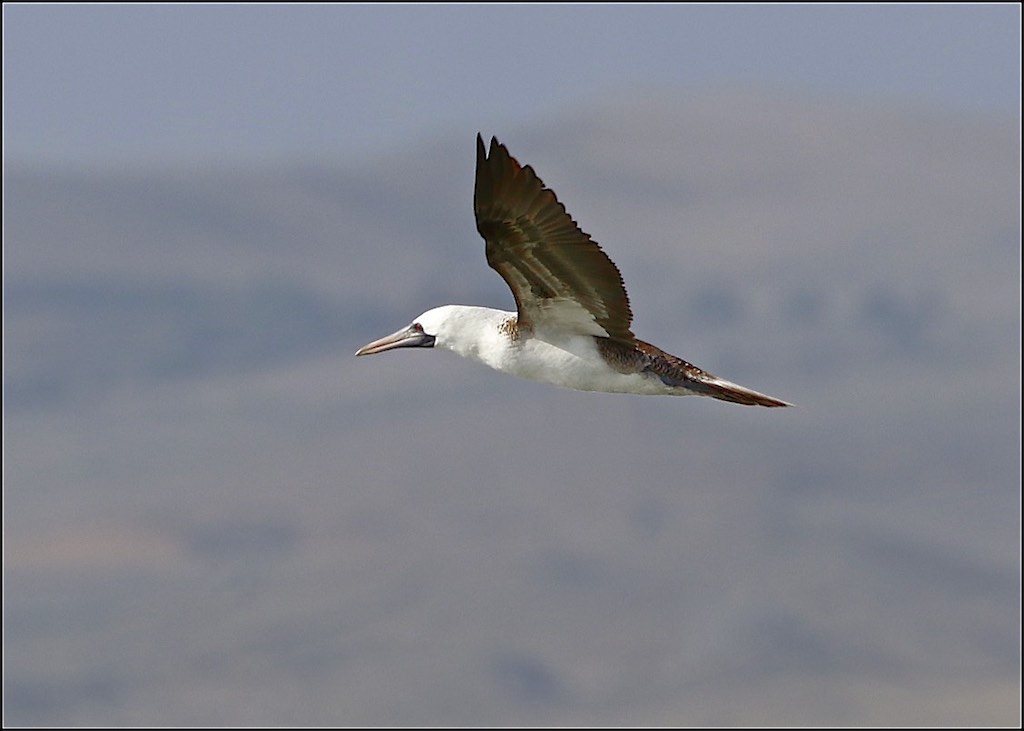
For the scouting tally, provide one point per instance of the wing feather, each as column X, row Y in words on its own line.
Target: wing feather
column 559, row 276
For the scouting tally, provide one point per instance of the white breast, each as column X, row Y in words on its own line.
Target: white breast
column 573, row 362
column 561, row 359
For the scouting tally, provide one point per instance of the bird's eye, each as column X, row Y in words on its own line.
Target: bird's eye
column 417, row 327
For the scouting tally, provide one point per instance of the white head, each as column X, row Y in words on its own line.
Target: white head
column 454, row 327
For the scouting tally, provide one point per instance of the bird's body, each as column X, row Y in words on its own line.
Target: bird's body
column 572, row 324
column 560, row 358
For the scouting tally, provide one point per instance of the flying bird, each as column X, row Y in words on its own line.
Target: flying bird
column 572, row 321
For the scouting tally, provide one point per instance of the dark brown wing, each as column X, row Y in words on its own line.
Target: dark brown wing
column 559, row 276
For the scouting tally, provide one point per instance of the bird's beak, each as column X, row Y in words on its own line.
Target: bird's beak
column 410, row 337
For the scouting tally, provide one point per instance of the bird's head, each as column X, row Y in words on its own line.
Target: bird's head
column 421, row 333
column 454, row 327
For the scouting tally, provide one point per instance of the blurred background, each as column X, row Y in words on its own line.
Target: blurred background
column 214, row 514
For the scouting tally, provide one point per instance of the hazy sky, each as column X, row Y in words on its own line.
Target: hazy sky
column 115, row 83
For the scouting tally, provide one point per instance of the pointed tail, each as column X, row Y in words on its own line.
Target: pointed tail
column 724, row 390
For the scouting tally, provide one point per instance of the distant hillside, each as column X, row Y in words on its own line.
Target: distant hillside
column 215, row 514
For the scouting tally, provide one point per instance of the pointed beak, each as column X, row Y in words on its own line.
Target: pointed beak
column 410, row 337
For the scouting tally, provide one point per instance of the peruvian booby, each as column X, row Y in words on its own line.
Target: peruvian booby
column 572, row 322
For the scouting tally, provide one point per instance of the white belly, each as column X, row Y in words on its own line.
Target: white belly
column 574, row 363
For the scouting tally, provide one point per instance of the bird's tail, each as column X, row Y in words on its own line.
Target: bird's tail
column 675, row 371
column 719, row 388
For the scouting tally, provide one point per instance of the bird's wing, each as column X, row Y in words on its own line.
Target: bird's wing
column 559, row 276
